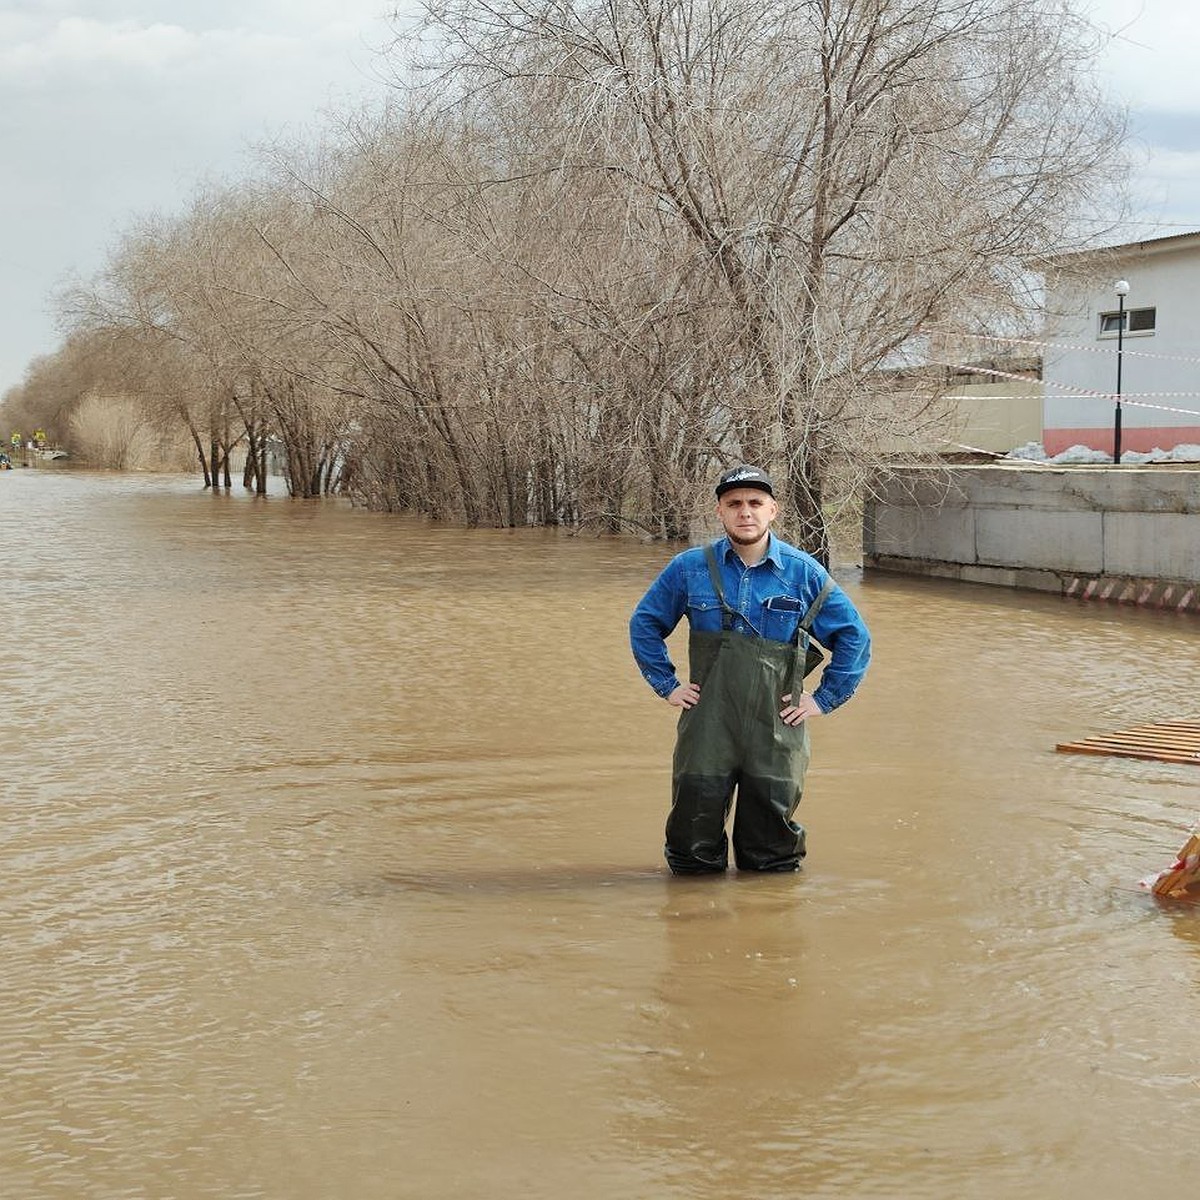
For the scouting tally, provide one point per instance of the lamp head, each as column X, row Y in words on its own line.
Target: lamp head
column 1121, row 287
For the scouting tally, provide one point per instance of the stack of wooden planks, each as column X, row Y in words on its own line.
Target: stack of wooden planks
column 1164, row 741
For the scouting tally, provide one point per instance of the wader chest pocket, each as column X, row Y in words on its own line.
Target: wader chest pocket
column 783, row 615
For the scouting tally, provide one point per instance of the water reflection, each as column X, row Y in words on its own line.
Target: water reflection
column 333, row 868
column 733, row 1042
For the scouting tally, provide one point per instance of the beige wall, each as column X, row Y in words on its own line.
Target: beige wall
column 996, row 416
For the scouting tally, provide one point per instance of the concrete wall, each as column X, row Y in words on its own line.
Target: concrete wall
column 1130, row 534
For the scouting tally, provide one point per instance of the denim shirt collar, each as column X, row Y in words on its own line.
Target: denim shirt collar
column 725, row 549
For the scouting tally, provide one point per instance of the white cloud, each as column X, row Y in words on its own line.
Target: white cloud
column 111, row 108
column 1170, row 184
column 87, row 48
column 1151, row 58
column 76, row 42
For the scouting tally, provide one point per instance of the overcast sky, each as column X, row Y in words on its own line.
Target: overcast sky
column 113, row 108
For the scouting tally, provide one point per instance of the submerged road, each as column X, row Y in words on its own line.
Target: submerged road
column 331, row 868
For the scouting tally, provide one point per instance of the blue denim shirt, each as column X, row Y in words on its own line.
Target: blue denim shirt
column 770, row 598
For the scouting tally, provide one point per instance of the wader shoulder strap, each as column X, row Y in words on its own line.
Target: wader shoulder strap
column 807, row 656
column 815, row 607
column 714, row 573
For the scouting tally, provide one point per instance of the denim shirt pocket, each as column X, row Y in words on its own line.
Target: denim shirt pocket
column 703, row 607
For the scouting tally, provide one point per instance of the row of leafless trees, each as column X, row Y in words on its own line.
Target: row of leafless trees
column 599, row 249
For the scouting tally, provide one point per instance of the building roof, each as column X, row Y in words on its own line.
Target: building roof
column 1157, row 245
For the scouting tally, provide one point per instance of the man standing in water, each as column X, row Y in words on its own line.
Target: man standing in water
column 751, row 601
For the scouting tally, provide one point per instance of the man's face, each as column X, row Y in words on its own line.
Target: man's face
column 746, row 514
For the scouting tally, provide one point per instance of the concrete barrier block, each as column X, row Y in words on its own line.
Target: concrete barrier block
column 1097, row 531
column 994, row 576
column 1147, row 489
column 921, row 487
column 1161, row 545
column 1039, row 539
column 941, row 533
column 1004, row 487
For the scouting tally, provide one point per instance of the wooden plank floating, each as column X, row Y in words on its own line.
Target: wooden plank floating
column 1164, row 741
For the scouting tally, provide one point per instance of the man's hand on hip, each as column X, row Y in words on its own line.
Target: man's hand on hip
column 804, row 707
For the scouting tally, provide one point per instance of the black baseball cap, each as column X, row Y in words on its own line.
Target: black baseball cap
column 745, row 477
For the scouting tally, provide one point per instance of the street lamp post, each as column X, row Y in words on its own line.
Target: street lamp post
column 1121, row 287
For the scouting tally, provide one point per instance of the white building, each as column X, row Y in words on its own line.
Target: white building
column 1157, row 353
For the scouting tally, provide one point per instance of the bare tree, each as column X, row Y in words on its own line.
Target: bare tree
column 846, row 172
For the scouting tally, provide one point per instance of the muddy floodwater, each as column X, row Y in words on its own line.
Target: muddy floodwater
column 331, row 870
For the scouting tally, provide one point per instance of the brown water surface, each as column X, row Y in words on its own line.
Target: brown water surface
column 331, row 869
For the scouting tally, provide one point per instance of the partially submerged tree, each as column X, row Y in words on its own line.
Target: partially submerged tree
column 842, row 173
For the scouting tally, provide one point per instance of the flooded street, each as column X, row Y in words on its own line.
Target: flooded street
column 332, row 869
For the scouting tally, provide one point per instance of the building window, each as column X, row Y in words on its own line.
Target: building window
column 1137, row 320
